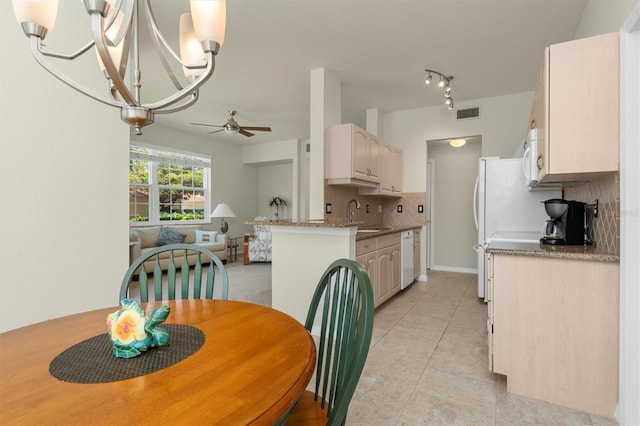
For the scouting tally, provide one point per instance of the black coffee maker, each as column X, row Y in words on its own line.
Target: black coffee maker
column 568, row 223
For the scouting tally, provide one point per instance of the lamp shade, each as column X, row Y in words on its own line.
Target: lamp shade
column 223, row 210
column 209, row 19
column 41, row 12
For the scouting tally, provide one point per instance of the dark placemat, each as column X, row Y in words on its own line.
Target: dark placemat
column 91, row 360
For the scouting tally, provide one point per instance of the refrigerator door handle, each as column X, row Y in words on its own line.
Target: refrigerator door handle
column 475, row 201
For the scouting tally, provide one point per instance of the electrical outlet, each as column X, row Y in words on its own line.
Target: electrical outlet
column 399, row 208
column 367, row 208
column 327, row 208
column 420, row 208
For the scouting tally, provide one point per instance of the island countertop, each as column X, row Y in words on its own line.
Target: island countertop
column 588, row 253
column 337, row 223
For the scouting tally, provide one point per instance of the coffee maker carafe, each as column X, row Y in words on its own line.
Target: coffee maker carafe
column 567, row 224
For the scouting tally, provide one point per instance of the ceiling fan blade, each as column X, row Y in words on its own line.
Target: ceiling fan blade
column 216, row 131
column 260, row 129
column 242, row 131
column 202, row 124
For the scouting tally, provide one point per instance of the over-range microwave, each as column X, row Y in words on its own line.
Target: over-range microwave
column 530, row 158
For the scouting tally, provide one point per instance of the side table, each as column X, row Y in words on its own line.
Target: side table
column 232, row 249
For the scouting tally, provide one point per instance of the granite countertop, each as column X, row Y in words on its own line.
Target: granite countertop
column 337, row 223
column 588, row 253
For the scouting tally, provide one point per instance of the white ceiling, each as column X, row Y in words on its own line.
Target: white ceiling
column 377, row 48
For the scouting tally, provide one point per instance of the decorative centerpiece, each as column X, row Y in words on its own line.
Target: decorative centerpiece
column 132, row 332
column 277, row 201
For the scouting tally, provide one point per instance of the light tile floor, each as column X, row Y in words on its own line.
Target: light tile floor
column 427, row 364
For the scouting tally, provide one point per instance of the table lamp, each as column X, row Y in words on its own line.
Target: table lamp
column 223, row 210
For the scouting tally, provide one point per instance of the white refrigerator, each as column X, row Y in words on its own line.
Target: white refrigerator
column 504, row 206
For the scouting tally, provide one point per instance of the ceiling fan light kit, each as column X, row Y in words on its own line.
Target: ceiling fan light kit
column 115, row 31
column 444, row 82
column 231, row 127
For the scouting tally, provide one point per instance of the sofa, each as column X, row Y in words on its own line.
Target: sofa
column 257, row 246
column 142, row 239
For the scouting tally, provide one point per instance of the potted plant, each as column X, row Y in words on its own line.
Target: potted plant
column 277, row 201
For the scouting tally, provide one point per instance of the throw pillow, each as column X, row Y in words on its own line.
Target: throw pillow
column 134, row 237
column 205, row 236
column 167, row 236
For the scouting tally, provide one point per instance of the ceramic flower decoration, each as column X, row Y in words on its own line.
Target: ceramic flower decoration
column 132, row 332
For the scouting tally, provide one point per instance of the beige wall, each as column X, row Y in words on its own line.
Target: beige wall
column 455, row 172
column 275, row 180
column 603, row 16
column 58, row 146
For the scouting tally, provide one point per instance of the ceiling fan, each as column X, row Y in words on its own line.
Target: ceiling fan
column 231, row 127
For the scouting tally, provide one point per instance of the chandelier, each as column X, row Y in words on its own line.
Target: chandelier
column 444, row 82
column 115, row 32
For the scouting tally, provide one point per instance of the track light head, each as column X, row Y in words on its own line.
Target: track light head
column 441, row 82
column 428, row 79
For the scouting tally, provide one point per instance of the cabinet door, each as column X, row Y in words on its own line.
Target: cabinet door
column 396, row 171
column 396, row 265
column 368, row 262
column 383, row 264
column 386, row 177
column 583, row 108
column 374, row 155
column 360, row 155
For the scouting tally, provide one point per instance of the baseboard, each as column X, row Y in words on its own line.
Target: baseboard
column 455, row 269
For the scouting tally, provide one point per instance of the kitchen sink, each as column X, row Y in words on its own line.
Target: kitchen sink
column 368, row 231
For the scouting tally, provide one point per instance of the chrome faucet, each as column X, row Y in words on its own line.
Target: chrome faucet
column 350, row 216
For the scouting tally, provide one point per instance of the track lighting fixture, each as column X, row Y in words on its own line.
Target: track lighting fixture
column 444, row 81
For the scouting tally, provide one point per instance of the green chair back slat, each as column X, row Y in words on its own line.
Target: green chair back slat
column 345, row 298
column 204, row 273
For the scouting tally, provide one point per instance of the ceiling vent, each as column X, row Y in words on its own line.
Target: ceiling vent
column 468, row 113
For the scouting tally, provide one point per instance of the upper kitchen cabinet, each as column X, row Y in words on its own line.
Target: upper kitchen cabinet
column 352, row 156
column 576, row 109
column 390, row 174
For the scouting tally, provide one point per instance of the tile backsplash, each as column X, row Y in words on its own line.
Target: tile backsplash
column 375, row 210
column 606, row 226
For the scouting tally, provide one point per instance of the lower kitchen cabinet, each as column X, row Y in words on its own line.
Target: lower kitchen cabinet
column 380, row 257
column 553, row 329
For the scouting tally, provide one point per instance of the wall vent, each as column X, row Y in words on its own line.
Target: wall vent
column 468, row 113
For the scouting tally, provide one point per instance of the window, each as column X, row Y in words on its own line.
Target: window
column 167, row 185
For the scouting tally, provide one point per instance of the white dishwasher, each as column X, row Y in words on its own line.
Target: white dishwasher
column 406, row 256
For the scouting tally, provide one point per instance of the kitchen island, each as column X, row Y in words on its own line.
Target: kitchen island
column 553, row 323
column 303, row 249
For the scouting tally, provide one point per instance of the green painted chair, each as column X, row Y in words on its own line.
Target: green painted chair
column 344, row 301
column 179, row 281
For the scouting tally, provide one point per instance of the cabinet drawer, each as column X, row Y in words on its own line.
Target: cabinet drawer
column 388, row 240
column 366, row 246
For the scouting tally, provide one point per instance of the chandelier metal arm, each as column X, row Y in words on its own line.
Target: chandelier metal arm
column 36, row 43
column 186, row 91
column 70, row 57
column 162, row 45
column 101, row 45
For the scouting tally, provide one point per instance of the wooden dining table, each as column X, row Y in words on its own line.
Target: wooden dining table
column 253, row 366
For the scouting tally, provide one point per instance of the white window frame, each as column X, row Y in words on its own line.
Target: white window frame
column 185, row 158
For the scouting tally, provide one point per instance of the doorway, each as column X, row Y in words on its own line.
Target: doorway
column 451, row 177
